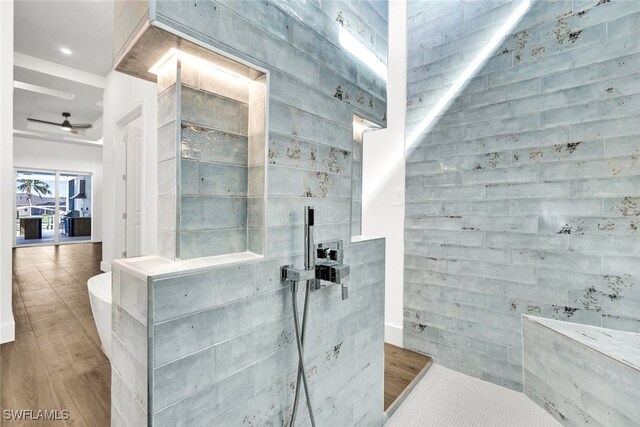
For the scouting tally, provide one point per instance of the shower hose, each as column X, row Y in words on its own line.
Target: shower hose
column 302, row 375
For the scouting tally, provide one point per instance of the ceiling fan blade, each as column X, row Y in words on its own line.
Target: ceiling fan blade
column 43, row 121
column 81, row 126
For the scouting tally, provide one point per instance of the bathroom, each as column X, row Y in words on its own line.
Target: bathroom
column 403, row 213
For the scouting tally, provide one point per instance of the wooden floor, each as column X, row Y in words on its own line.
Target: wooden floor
column 401, row 366
column 55, row 363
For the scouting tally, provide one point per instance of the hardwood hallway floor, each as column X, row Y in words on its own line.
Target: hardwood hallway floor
column 56, row 362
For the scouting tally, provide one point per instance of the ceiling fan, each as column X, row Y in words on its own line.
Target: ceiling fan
column 65, row 125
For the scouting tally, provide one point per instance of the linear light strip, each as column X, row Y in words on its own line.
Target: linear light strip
column 394, row 162
column 176, row 53
column 360, row 51
column 468, row 72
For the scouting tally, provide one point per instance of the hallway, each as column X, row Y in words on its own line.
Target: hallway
column 56, row 362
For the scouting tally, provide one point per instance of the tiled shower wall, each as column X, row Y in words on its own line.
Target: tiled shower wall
column 213, row 190
column 524, row 195
column 256, row 165
column 582, row 375
column 356, row 182
column 222, row 349
column 219, row 143
column 128, row 355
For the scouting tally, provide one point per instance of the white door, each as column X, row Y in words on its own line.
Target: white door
column 134, row 192
column 120, row 194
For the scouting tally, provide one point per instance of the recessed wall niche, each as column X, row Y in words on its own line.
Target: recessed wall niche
column 211, row 139
column 360, row 126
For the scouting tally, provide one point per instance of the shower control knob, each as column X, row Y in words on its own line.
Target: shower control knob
column 323, row 272
column 339, row 273
column 335, row 254
column 323, row 253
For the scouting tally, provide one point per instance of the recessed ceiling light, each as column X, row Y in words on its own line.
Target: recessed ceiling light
column 65, row 50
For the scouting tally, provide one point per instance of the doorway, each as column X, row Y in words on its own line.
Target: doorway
column 129, row 161
column 52, row 207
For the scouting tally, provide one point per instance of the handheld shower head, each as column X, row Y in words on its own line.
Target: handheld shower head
column 309, row 240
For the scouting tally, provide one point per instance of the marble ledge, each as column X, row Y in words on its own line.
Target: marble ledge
column 363, row 239
column 622, row 346
column 159, row 268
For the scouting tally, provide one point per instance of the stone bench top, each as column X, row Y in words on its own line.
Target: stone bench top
column 619, row 345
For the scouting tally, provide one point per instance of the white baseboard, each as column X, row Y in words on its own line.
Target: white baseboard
column 8, row 332
column 105, row 266
column 393, row 335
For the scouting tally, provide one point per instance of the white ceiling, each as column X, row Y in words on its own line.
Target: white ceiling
column 48, row 78
column 41, row 28
column 84, row 107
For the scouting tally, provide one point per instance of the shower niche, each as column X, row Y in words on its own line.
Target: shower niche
column 360, row 127
column 211, row 155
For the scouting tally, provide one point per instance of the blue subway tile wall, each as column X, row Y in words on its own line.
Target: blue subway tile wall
column 582, row 374
column 214, row 163
column 522, row 195
column 223, row 345
column 128, row 353
column 356, row 184
column 229, row 329
column 221, row 132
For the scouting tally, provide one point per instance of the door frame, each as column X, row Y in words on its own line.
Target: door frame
column 56, row 218
column 132, row 114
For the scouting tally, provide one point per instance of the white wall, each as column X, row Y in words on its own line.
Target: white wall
column 383, row 174
column 62, row 156
column 122, row 95
column 7, row 325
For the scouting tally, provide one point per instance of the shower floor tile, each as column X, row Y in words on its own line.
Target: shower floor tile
column 446, row 398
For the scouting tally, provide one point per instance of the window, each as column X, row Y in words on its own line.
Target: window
column 52, row 207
